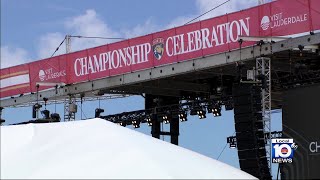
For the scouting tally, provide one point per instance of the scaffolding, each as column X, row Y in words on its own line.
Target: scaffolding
column 263, row 67
column 70, row 108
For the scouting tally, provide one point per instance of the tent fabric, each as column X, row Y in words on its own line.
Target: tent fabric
column 95, row 148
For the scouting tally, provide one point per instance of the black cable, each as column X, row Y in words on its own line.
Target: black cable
column 95, row 37
column 58, row 46
column 224, row 148
column 207, row 12
column 82, row 112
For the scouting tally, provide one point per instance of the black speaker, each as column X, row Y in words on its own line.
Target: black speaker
column 249, row 130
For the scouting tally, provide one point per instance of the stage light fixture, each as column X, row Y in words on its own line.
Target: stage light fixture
column 183, row 116
column 55, row 117
column 165, row 119
column 210, row 108
column 122, row 123
column 228, row 105
column 46, row 114
column 201, row 113
column 98, row 112
column 193, row 111
column 136, row 123
column 216, row 111
column 35, row 108
column 149, row 120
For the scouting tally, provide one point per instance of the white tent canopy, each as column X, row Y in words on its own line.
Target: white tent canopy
column 99, row 149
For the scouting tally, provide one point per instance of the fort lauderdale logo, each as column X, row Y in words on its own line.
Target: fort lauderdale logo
column 278, row 20
column 48, row 74
column 157, row 47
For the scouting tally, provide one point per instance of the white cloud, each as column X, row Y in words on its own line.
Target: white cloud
column 206, row 5
column 11, row 56
column 91, row 24
column 141, row 29
column 179, row 21
column 231, row 6
column 48, row 43
column 88, row 24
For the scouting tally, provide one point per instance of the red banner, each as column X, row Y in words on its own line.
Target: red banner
column 203, row 38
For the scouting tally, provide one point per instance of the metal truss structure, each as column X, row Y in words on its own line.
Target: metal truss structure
column 141, row 115
column 136, row 80
column 263, row 70
column 70, row 109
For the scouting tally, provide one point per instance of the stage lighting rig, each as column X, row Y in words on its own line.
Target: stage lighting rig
column 210, row 108
column 35, row 109
column 165, row 119
column 193, row 112
column 46, row 114
column 201, row 113
column 216, row 111
column 122, row 123
column 228, row 105
column 98, row 112
column 182, row 116
column 149, row 120
column 55, row 117
column 136, row 123
column 198, row 110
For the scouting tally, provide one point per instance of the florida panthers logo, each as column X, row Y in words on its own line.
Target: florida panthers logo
column 157, row 47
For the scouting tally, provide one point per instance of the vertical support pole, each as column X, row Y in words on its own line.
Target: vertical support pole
column 68, row 44
column 174, row 123
column 155, row 128
column 263, row 67
column 174, row 129
column 68, row 114
column 2, row 120
column 150, row 105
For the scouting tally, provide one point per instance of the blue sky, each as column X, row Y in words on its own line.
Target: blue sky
column 31, row 30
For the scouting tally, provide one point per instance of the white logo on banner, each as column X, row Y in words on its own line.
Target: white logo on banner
column 265, row 23
column 279, row 20
column 48, row 74
column 42, row 75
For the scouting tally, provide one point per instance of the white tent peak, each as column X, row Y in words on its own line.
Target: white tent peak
column 96, row 148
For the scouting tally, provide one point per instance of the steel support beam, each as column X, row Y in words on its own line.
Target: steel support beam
column 176, row 85
column 150, row 104
column 174, row 130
